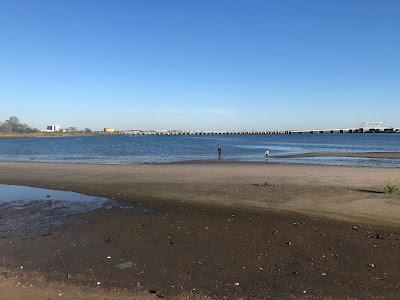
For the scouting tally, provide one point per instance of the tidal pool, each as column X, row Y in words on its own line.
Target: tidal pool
column 28, row 208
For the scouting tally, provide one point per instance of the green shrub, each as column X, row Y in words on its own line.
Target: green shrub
column 392, row 188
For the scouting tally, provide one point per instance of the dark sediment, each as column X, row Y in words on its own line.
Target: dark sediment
column 213, row 251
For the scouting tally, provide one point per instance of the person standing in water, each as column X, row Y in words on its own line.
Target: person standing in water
column 219, row 149
column 266, row 154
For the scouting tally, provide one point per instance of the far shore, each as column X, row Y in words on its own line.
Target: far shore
column 47, row 134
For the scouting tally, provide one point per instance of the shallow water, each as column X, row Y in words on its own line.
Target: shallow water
column 30, row 208
column 164, row 149
column 22, row 195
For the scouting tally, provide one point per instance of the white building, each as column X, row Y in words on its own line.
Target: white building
column 52, row 128
column 109, row 130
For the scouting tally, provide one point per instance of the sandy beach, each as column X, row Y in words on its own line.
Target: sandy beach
column 216, row 230
column 338, row 192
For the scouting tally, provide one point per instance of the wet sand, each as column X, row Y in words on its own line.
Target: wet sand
column 345, row 193
column 387, row 155
column 215, row 231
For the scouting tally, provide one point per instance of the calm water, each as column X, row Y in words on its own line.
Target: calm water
column 161, row 149
column 30, row 208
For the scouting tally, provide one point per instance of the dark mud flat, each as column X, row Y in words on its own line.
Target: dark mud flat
column 31, row 209
column 177, row 248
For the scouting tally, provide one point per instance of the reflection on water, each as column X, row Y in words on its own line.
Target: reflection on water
column 28, row 208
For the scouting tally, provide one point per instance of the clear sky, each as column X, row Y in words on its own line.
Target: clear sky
column 200, row 64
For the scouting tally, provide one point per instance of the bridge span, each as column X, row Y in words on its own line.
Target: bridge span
column 262, row 132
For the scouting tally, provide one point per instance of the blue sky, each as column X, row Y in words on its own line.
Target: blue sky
column 200, row 64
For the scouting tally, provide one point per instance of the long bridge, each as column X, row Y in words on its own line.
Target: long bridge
column 376, row 127
column 257, row 132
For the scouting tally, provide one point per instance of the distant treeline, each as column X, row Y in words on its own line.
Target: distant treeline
column 13, row 125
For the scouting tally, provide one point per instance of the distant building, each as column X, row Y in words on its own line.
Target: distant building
column 109, row 130
column 52, row 128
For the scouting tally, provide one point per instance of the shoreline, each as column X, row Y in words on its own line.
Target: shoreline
column 374, row 154
column 46, row 135
column 368, row 155
column 310, row 189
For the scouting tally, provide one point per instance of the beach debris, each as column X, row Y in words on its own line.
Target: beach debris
column 46, row 234
column 289, row 243
column 5, row 274
column 21, row 267
column 237, row 283
column 124, row 265
column 264, row 184
column 354, row 228
column 323, row 274
column 68, row 276
column 275, row 232
column 60, row 294
column 98, row 282
column 155, row 292
column 108, row 257
column 371, row 265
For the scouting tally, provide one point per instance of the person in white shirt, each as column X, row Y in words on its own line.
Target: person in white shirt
column 266, row 154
